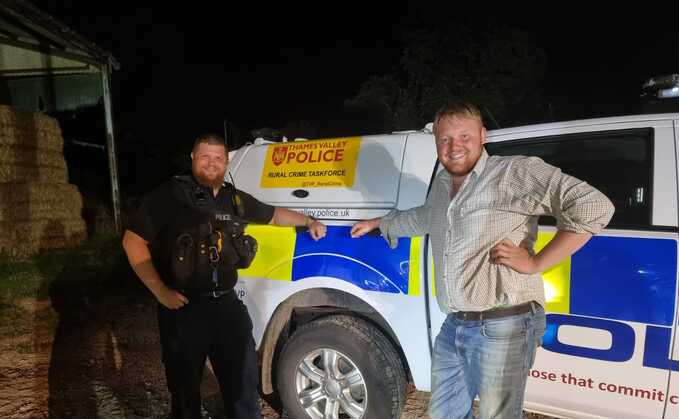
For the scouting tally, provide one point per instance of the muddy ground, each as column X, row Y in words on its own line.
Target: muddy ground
column 94, row 353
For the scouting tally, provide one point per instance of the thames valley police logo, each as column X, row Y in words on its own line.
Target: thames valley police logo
column 278, row 155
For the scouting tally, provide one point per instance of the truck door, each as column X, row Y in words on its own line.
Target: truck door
column 671, row 356
column 611, row 306
column 419, row 163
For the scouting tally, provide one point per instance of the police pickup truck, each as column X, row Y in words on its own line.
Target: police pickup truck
column 343, row 324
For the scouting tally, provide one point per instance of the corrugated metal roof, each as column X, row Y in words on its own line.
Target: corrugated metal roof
column 25, row 27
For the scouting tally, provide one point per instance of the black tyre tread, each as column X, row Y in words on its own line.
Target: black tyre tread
column 385, row 350
column 377, row 343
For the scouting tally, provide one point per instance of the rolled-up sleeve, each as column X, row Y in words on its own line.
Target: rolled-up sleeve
column 583, row 208
column 576, row 205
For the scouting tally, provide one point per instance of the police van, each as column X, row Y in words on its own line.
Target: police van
column 343, row 324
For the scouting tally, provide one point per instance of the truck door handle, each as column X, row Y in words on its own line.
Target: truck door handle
column 300, row 193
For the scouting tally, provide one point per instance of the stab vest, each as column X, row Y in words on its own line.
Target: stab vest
column 209, row 242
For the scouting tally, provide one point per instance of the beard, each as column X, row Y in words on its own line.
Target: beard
column 458, row 170
column 214, row 183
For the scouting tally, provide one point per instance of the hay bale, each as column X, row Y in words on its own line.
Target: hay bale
column 39, row 210
column 25, row 173
column 23, row 238
column 16, row 155
column 37, row 201
column 39, row 140
column 28, row 129
column 36, row 191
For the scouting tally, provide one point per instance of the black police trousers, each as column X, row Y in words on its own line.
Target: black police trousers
column 219, row 328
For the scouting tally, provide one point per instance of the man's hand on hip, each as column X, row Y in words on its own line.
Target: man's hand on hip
column 518, row 258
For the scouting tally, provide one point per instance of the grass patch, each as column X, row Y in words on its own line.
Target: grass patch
column 12, row 325
column 94, row 261
column 4, row 307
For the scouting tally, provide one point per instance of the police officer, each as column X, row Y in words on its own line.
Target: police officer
column 185, row 244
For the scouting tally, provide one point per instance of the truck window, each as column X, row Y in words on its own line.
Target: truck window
column 619, row 163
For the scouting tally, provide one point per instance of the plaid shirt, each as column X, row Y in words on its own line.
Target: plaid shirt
column 500, row 198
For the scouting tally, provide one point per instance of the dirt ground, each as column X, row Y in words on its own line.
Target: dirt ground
column 95, row 354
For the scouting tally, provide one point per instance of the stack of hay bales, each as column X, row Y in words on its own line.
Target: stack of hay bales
column 39, row 209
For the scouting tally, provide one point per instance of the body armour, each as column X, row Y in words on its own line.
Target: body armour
column 210, row 244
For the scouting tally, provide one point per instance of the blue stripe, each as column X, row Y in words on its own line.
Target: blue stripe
column 621, row 278
column 366, row 262
column 622, row 344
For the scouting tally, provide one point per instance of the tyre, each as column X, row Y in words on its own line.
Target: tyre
column 340, row 367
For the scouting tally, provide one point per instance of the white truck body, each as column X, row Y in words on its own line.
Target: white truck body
column 612, row 307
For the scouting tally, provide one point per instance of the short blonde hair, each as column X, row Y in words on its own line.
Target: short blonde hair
column 460, row 108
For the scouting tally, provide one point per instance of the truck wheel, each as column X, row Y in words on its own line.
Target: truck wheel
column 340, row 367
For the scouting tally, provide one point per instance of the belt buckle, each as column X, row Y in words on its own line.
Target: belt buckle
column 215, row 294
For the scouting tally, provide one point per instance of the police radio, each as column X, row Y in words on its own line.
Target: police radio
column 245, row 245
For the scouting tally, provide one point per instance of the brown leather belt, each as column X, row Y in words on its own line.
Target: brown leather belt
column 496, row 313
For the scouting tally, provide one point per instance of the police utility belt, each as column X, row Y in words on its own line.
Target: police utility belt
column 212, row 248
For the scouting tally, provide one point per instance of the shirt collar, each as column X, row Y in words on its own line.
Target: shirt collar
column 481, row 163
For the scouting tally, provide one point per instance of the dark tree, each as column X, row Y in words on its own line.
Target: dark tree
column 469, row 56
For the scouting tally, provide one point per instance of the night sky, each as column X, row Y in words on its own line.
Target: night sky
column 258, row 66
column 264, row 65
column 187, row 66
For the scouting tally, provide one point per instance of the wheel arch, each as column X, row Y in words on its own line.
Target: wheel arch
column 307, row 305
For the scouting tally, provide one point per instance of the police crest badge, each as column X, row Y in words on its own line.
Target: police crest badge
column 278, row 155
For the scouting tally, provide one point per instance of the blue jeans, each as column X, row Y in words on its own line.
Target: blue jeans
column 488, row 358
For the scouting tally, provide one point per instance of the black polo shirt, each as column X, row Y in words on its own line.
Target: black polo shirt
column 166, row 211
